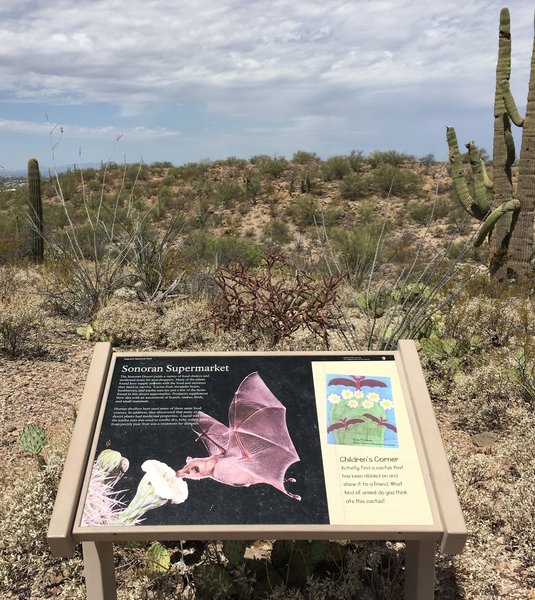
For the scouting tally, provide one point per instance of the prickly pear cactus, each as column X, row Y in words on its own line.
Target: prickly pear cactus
column 33, row 439
column 158, row 560
column 234, row 550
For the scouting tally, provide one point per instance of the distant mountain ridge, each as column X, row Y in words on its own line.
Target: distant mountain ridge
column 45, row 170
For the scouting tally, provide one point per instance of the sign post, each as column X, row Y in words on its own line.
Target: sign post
column 323, row 445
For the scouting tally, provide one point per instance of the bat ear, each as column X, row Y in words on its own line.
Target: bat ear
column 188, row 459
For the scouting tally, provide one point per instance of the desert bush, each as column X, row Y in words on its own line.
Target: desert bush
column 27, row 568
column 268, row 165
column 277, row 232
column 180, row 323
column 191, row 171
column 391, row 180
column 302, row 158
column 357, row 248
column 388, row 157
column 127, row 323
column 227, row 192
column 201, row 251
column 305, row 211
column 357, row 160
column 355, row 186
column 335, row 168
column 21, row 313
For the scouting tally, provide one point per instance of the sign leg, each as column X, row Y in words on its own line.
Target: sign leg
column 99, row 570
column 420, row 570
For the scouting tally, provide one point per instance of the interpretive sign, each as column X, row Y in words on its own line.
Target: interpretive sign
column 276, row 445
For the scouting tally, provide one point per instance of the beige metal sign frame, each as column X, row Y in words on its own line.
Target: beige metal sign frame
column 436, row 501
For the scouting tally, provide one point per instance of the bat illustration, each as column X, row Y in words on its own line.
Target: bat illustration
column 344, row 423
column 357, row 382
column 256, row 446
column 381, row 422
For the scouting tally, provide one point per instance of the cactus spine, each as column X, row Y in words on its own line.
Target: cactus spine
column 36, row 209
column 510, row 225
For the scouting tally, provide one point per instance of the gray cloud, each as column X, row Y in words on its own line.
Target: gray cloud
column 302, row 67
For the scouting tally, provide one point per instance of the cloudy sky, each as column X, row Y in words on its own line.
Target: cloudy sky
column 180, row 80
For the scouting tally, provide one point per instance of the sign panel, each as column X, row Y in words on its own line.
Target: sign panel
column 312, row 439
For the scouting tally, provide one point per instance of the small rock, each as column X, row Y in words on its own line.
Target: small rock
column 485, row 439
column 10, row 428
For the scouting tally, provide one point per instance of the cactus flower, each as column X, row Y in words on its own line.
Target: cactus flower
column 158, row 486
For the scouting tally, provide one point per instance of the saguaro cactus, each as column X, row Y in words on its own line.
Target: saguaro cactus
column 36, row 209
column 510, row 225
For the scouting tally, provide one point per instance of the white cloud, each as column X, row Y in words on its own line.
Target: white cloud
column 76, row 131
column 226, row 50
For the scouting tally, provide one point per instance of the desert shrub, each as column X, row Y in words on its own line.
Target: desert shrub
column 305, row 211
column 388, row 157
column 227, row 192
column 388, row 179
column 355, row 186
column 356, row 160
column 277, row 232
column 425, row 212
column 335, row 168
column 357, row 248
column 202, row 250
column 27, row 568
column 128, row 323
column 268, row 165
column 191, row 171
column 180, row 324
column 302, row 158
column 21, row 313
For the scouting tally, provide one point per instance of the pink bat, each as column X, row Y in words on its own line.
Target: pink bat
column 256, row 446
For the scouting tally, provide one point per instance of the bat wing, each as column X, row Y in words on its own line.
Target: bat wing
column 335, row 426
column 372, row 383
column 354, row 421
column 215, row 435
column 390, row 426
column 258, row 435
column 372, row 417
column 343, row 381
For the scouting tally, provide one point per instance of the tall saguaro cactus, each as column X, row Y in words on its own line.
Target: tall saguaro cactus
column 36, row 209
column 510, row 225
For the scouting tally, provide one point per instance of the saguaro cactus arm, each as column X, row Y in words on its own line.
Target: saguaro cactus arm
column 510, row 104
column 492, row 219
column 479, row 205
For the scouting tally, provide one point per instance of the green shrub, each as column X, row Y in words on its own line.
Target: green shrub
column 274, row 166
column 227, row 192
column 21, row 313
column 305, row 211
column 391, row 180
column 356, row 248
column 389, row 157
column 335, row 168
column 355, row 186
column 126, row 323
column 277, row 232
column 302, row 158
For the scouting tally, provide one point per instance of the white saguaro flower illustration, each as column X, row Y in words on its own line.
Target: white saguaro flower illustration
column 158, row 486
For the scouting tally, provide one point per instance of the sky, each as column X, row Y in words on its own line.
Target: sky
column 85, row 81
